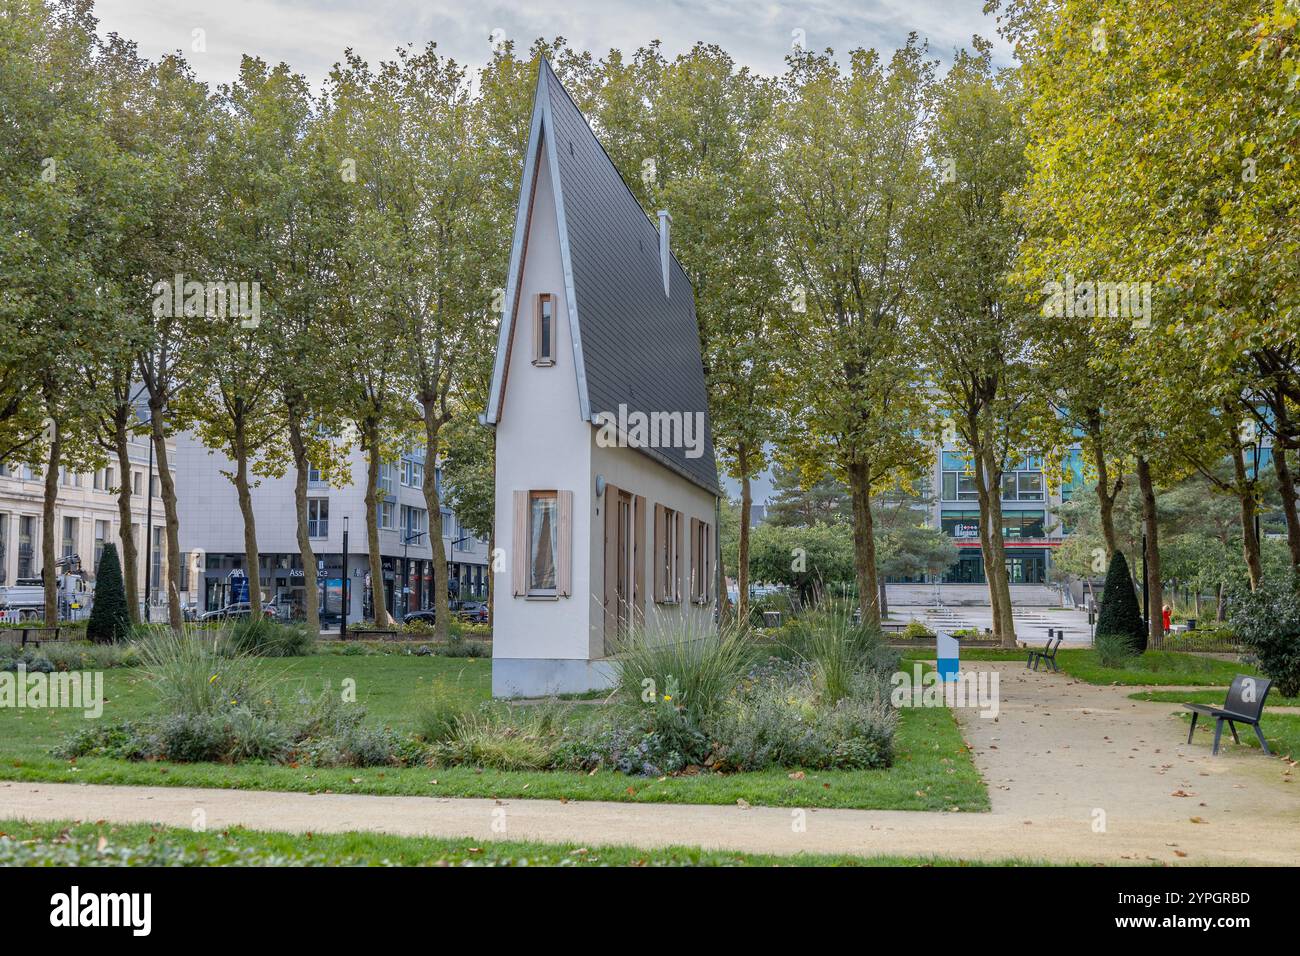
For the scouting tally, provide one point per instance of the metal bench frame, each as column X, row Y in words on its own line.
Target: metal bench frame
column 1047, row 654
column 1235, row 710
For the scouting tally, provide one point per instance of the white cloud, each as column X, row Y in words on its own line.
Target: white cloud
column 311, row 35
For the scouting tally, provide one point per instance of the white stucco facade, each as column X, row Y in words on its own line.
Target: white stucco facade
column 559, row 640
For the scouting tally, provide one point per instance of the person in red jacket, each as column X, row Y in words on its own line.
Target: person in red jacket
column 1168, row 616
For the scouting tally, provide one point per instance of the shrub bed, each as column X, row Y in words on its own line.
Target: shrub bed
column 819, row 700
column 68, row 656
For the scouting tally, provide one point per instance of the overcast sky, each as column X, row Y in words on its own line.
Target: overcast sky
column 310, row 35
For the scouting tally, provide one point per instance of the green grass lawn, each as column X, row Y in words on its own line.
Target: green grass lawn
column 932, row 768
column 1282, row 731
column 1212, row 697
column 143, row 844
column 1152, row 668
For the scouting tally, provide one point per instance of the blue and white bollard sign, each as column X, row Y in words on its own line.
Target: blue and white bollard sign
column 947, row 656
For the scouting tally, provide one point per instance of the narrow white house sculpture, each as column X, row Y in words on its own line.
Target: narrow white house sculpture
column 606, row 485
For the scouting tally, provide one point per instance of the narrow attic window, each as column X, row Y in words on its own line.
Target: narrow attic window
column 544, row 330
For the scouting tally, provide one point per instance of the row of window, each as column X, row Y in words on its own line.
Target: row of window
column 413, row 522
column 407, row 472
column 102, row 479
column 543, row 538
column 670, row 528
column 1016, row 486
column 69, row 544
column 965, row 525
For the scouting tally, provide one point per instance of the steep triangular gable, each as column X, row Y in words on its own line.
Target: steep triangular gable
column 633, row 345
column 541, row 149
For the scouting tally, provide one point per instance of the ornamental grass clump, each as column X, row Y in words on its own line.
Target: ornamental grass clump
column 192, row 673
column 701, row 665
column 836, row 650
column 262, row 637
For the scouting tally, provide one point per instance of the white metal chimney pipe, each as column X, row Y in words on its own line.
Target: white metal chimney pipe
column 665, row 225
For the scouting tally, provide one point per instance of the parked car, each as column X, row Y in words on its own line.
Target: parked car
column 473, row 612
column 235, row 612
column 425, row 617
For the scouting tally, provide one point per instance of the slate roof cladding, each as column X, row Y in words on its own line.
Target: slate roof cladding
column 639, row 347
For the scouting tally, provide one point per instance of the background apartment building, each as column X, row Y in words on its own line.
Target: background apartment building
column 1031, row 527
column 86, row 517
column 212, row 537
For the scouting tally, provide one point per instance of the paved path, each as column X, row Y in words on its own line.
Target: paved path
column 1059, row 752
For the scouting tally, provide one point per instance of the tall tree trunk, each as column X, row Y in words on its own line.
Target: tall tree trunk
column 49, row 573
column 989, row 488
column 130, row 554
column 370, row 429
column 1249, row 507
column 433, row 504
column 864, row 544
column 311, row 596
column 252, row 566
column 1106, row 498
column 172, row 567
column 1284, row 436
column 986, row 552
column 1155, row 595
column 1286, row 487
column 1220, row 611
column 742, row 551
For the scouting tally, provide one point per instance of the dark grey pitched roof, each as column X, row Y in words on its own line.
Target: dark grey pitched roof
column 640, row 348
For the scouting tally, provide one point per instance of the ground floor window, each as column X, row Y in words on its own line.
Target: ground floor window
column 101, row 536
column 26, row 545
column 1024, row 566
column 542, row 544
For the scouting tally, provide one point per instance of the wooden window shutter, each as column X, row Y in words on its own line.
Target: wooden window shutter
column 678, row 588
column 564, row 559
column 610, row 597
column 706, row 543
column 661, row 552
column 695, row 559
column 638, row 556
column 519, row 547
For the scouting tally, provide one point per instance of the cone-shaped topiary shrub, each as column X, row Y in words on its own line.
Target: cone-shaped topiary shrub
column 1120, row 613
column 110, row 619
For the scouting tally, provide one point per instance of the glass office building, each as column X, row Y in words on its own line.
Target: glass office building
column 1030, row 529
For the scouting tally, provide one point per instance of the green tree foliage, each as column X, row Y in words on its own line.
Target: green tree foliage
column 1119, row 605
column 850, row 164
column 974, row 324
column 110, row 619
column 814, row 561
column 1267, row 620
column 794, row 505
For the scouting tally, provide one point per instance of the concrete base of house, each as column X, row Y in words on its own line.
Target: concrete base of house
column 545, row 677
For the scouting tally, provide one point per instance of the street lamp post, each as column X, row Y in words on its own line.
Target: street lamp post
column 148, row 510
column 343, row 627
column 406, row 561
